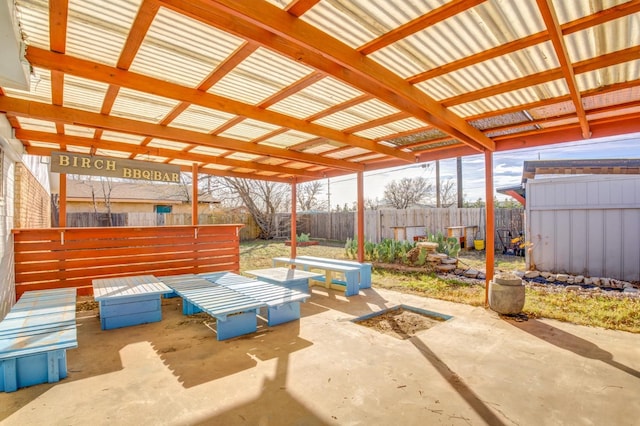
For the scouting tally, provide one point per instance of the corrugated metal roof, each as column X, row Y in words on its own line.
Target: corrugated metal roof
column 366, row 77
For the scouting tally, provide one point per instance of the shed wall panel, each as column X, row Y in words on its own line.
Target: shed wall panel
column 587, row 225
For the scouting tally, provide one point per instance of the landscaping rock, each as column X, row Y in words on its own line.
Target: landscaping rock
column 551, row 278
column 595, row 281
column 471, row 273
column 481, row 276
column 563, row 278
column 631, row 290
column 450, row 261
column 443, row 267
column 588, row 281
column 573, row 288
column 532, row 274
column 545, row 275
column 458, row 271
column 578, row 279
column 605, row 282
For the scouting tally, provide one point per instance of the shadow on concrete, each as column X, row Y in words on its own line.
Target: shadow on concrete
column 184, row 344
column 457, row 383
column 274, row 406
column 570, row 342
column 366, row 302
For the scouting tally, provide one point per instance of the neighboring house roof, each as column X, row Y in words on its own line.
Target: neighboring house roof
column 615, row 166
column 128, row 192
column 609, row 166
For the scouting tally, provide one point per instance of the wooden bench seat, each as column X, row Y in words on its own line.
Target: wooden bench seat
column 282, row 303
column 34, row 338
column 351, row 273
column 235, row 313
column 365, row 268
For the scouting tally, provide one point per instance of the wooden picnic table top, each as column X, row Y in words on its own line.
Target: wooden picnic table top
column 216, row 300
column 282, row 274
column 139, row 285
column 40, row 319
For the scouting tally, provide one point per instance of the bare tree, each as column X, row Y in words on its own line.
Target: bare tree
column 448, row 195
column 308, row 196
column 263, row 199
column 407, row 192
column 371, row 204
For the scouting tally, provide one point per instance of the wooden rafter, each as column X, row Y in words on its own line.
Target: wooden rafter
column 160, row 152
column 122, row 78
column 58, row 17
column 587, row 65
column 583, row 23
column 298, row 8
column 299, row 85
column 553, row 27
column 85, row 118
column 420, row 23
column 294, row 38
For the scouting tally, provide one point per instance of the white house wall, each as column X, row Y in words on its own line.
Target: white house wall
column 588, row 225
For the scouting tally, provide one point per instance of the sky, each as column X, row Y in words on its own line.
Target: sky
column 507, row 168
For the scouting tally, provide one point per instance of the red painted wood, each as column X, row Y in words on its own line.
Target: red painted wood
column 73, row 257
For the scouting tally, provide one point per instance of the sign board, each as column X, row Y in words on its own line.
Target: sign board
column 92, row 165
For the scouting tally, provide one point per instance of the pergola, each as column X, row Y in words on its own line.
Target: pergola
column 293, row 91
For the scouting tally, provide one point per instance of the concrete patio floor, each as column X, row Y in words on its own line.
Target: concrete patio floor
column 474, row 369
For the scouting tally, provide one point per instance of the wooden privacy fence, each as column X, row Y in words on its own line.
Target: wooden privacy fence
column 380, row 224
column 73, row 257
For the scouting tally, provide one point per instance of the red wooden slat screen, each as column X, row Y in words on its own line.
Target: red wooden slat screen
column 73, row 257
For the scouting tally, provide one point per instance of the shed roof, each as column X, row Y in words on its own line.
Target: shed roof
column 306, row 89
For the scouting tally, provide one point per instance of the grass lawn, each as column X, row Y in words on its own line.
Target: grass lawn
column 541, row 301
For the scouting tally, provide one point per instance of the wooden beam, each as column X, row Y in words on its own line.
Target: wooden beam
column 553, row 27
column 587, row 65
column 85, row 118
column 418, row 24
column 58, row 17
column 580, row 24
column 114, row 76
column 292, row 89
column 141, row 24
column 298, row 8
column 279, row 31
column 32, row 135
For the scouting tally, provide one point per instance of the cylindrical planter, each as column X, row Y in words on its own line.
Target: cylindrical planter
column 506, row 295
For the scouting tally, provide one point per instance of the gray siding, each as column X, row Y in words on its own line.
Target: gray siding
column 587, row 225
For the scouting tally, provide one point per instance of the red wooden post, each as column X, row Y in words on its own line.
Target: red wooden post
column 293, row 219
column 490, row 225
column 194, row 197
column 360, row 217
column 62, row 202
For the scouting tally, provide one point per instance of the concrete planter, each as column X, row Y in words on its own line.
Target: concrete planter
column 506, row 294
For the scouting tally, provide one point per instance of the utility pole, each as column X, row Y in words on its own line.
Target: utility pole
column 459, row 179
column 438, row 201
column 329, row 206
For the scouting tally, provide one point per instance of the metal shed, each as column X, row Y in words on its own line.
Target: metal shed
column 587, row 225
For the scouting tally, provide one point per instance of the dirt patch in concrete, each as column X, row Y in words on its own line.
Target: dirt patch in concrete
column 401, row 323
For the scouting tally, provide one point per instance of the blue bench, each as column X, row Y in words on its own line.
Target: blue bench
column 35, row 336
column 365, row 268
column 127, row 301
column 235, row 313
column 351, row 273
column 282, row 303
